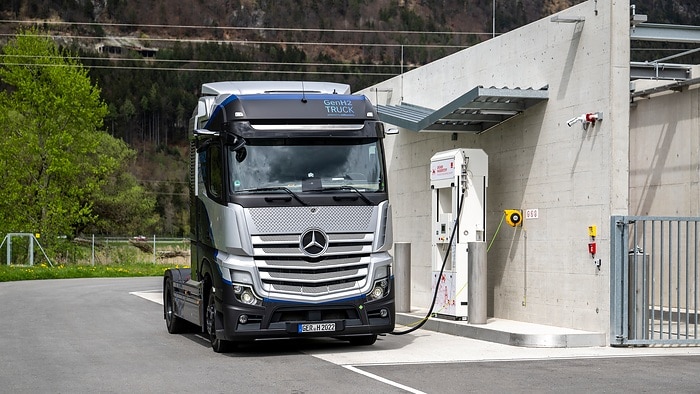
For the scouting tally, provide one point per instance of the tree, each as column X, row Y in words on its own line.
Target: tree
column 55, row 157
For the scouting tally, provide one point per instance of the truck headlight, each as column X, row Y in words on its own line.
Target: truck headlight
column 244, row 294
column 380, row 290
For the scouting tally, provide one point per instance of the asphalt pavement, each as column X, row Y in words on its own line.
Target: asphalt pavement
column 108, row 335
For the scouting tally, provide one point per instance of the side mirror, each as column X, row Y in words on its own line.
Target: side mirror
column 205, row 132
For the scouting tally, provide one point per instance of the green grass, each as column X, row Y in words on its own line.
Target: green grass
column 43, row 271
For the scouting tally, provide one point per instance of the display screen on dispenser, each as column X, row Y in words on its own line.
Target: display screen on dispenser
column 443, row 228
column 442, row 169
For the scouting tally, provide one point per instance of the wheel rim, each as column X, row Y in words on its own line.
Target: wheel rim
column 211, row 310
column 169, row 308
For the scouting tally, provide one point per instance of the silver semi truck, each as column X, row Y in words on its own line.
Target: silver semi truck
column 290, row 218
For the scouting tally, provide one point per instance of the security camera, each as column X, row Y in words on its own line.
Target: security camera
column 572, row 121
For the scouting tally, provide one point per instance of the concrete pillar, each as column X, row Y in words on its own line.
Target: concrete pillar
column 477, row 277
column 402, row 276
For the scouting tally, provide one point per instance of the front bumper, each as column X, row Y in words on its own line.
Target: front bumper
column 283, row 319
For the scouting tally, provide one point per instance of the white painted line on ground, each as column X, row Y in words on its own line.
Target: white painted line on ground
column 383, row 380
column 428, row 347
column 151, row 295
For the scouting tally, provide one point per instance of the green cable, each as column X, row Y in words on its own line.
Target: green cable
column 496, row 233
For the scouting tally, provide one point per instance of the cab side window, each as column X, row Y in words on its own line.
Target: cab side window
column 215, row 182
column 211, row 170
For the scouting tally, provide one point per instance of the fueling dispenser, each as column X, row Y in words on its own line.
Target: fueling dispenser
column 458, row 182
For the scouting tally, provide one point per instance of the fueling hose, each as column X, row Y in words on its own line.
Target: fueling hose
column 442, row 269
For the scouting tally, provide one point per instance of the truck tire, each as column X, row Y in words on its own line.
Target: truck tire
column 175, row 324
column 217, row 344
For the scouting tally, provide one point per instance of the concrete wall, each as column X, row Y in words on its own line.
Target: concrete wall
column 541, row 272
column 664, row 153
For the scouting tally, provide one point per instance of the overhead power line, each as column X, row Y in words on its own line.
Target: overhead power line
column 222, row 62
column 219, row 70
column 242, row 28
column 243, row 42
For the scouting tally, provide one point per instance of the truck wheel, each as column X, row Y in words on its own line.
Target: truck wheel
column 365, row 340
column 219, row 345
column 175, row 324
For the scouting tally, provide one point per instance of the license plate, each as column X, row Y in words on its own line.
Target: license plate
column 316, row 327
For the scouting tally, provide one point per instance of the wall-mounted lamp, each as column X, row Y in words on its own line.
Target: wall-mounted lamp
column 635, row 18
column 563, row 19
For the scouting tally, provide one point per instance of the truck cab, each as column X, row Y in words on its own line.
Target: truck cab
column 290, row 218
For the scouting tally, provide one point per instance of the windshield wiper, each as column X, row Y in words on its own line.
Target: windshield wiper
column 276, row 188
column 351, row 188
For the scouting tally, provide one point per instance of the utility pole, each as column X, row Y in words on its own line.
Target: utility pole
column 493, row 23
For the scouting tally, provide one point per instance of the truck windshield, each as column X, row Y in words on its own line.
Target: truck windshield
column 302, row 165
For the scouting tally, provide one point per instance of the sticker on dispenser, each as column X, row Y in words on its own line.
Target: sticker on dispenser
column 442, row 169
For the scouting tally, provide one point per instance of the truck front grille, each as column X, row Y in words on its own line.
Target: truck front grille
column 333, row 219
column 286, row 271
column 284, row 268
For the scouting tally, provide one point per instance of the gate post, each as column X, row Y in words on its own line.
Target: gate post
column 618, row 280
column 8, row 238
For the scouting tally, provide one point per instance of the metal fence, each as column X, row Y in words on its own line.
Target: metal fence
column 26, row 240
column 654, row 280
column 25, row 249
column 107, row 250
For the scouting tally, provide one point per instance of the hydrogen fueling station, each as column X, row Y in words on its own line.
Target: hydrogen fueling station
column 458, row 182
column 564, row 160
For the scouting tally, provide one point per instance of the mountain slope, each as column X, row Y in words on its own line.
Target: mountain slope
column 359, row 42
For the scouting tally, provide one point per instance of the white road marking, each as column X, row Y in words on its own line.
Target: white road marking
column 383, row 380
column 150, row 295
column 429, row 347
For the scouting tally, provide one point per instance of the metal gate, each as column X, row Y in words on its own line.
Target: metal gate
column 654, row 280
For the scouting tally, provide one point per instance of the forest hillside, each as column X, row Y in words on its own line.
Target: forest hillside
column 149, row 57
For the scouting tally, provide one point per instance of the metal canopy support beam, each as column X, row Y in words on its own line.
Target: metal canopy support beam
column 652, row 70
column 666, row 33
column 675, row 86
column 474, row 112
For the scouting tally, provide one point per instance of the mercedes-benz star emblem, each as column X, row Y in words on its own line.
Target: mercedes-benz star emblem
column 313, row 242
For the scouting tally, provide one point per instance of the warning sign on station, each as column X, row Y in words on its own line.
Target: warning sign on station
column 442, row 169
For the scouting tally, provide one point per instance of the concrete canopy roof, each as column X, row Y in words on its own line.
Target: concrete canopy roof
column 473, row 112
